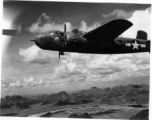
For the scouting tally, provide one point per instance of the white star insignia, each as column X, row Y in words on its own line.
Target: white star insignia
column 135, row 45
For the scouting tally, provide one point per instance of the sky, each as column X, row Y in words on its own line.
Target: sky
column 28, row 70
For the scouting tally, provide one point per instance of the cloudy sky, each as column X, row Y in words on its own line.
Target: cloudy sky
column 26, row 69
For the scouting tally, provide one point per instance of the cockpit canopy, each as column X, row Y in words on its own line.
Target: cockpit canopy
column 75, row 31
column 56, row 33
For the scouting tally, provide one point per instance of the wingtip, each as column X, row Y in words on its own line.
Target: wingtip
column 125, row 20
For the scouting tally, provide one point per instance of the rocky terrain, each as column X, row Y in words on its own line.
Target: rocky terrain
column 142, row 115
column 129, row 95
column 84, row 115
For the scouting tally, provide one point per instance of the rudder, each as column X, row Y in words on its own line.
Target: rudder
column 141, row 35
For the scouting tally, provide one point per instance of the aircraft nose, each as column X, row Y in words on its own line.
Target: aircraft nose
column 38, row 40
column 32, row 40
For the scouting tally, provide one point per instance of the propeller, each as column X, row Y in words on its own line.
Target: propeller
column 64, row 40
column 65, row 32
column 9, row 32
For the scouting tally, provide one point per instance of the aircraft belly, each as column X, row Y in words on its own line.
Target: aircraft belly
column 92, row 49
column 109, row 50
column 54, row 46
column 132, row 49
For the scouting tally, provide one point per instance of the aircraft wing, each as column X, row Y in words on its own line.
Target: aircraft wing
column 108, row 32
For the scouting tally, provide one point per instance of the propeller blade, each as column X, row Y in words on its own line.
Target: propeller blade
column 65, row 27
column 64, row 39
column 59, row 55
column 9, row 32
column 65, row 32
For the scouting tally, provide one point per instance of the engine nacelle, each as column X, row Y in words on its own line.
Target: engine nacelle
column 76, row 41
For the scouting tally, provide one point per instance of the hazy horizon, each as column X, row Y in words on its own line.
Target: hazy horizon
column 144, row 80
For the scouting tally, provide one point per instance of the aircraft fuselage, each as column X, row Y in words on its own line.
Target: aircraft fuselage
column 102, row 40
column 76, row 43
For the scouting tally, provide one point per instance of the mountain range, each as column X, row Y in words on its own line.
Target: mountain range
column 128, row 94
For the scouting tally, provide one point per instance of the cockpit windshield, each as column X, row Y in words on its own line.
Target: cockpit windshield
column 56, row 33
column 75, row 30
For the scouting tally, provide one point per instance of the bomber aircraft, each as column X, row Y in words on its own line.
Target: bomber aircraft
column 102, row 40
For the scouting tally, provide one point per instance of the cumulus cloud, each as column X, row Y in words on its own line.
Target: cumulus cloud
column 83, row 26
column 45, row 24
column 119, row 13
column 141, row 21
column 103, row 67
column 34, row 54
column 15, row 84
column 74, row 69
column 69, row 69
column 27, row 82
